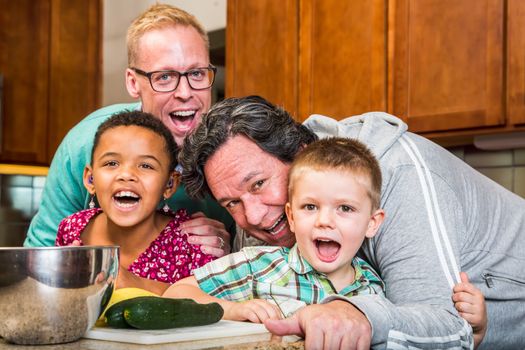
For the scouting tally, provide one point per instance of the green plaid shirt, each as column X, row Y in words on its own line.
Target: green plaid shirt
column 280, row 275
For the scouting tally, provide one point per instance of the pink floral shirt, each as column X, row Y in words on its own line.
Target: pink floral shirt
column 167, row 259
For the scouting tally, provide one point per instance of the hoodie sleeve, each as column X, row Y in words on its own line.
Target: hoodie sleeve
column 416, row 253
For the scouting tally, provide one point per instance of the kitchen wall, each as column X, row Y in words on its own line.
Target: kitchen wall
column 20, row 195
column 506, row 167
column 19, row 199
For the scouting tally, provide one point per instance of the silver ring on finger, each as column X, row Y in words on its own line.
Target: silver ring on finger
column 221, row 244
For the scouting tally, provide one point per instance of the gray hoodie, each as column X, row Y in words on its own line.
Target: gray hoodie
column 442, row 217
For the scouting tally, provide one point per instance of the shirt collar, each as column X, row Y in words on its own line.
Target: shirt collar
column 297, row 262
column 301, row 266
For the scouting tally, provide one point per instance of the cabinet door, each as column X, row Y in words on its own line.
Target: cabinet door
column 447, row 63
column 51, row 61
column 75, row 65
column 24, row 62
column 516, row 62
column 342, row 57
column 261, row 50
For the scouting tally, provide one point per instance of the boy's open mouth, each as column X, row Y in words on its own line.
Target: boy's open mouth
column 327, row 250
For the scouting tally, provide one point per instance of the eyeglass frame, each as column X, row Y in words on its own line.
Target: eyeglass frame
column 181, row 74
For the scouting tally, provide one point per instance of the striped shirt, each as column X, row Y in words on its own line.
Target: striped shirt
column 280, row 275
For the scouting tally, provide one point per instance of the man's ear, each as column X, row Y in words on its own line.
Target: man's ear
column 289, row 215
column 172, row 184
column 89, row 180
column 375, row 221
column 132, row 84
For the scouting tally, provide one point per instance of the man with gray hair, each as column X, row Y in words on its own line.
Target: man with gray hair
column 442, row 217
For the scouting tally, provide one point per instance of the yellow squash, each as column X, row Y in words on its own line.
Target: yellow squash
column 122, row 294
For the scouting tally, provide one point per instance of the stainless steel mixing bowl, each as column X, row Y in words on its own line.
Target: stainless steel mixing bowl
column 54, row 294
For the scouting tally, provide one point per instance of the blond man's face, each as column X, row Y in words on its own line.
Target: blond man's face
column 179, row 48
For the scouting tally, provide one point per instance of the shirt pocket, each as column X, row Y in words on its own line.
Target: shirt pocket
column 503, row 285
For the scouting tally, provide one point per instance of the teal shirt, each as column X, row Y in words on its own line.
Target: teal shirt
column 64, row 192
column 281, row 276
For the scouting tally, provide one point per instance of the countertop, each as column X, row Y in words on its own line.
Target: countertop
column 215, row 344
column 15, row 169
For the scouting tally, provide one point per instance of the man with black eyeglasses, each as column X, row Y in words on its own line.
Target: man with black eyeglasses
column 170, row 72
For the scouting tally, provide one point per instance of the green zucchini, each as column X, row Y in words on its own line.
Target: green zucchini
column 150, row 312
column 114, row 316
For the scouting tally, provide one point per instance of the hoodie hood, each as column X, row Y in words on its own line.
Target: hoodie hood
column 378, row 130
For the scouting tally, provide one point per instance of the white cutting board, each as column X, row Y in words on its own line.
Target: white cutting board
column 221, row 329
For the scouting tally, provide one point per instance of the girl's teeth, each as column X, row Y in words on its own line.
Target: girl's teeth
column 126, row 194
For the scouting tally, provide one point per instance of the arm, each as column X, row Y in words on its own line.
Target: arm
column 470, row 303
column 63, row 195
column 254, row 310
column 127, row 279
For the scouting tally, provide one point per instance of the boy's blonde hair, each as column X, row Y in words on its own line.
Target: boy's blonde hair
column 342, row 154
column 156, row 17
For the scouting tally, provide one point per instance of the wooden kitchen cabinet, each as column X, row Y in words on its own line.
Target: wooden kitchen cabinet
column 50, row 59
column 342, row 66
column 261, row 50
column 449, row 68
column 308, row 56
column 448, row 63
column 516, row 62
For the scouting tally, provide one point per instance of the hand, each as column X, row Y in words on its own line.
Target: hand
column 335, row 325
column 470, row 303
column 255, row 310
column 210, row 234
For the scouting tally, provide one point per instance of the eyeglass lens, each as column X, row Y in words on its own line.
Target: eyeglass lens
column 201, row 78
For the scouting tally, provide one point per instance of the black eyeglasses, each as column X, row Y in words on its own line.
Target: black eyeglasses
column 168, row 80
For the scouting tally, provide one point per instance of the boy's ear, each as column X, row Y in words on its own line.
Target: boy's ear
column 172, row 184
column 132, row 85
column 289, row 215
column 375, row 221
column 88, row 180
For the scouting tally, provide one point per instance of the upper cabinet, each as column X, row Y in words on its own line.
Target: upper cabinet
column 50, row 59
column 262, row 50
column 447, row 63
column 309, row 56
column 450, row 69
column 515, row 98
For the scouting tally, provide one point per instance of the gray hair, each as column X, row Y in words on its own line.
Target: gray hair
column 269, row 126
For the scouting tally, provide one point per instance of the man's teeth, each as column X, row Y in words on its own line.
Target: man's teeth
column 276, row 225
column 183, row 113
